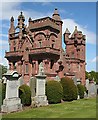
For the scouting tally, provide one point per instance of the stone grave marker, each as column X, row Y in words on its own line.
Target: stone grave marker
column 92, row 89
column 21, row 81
column 75, row 80
column 40, row 99
column 33, row 86
column 12, row 101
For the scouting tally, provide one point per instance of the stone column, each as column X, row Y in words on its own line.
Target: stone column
column 36, row 67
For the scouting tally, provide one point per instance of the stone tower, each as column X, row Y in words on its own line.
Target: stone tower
column 75, row 54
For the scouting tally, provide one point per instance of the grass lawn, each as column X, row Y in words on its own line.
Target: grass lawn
column 84, row 108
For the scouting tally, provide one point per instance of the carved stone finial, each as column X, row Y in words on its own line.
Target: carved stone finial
column 75, row 27
column 12, row 19
column 21, row 17
column 41, row 69
column 67, row 31
column 30, row 19
column 56, row 15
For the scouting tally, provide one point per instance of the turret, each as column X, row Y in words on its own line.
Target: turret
column 66, row 35
column 56, row 15
column 12, row 28
column 21, row 20
column 74, row 33
column 21, row 24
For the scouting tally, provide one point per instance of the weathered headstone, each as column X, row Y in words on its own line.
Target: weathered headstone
column 11, row 102
column 40, row 99
column 92, row 89
column 87, row 84
column 21, row 81
column 75, row 80
column 33, row 86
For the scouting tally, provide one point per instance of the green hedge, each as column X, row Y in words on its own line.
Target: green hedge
column 54, row 91
column 69, row 89
column 81, row 90
column 25, row 95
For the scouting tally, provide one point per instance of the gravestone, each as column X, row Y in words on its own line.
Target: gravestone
column 87, row 84
column 40, row 99
column 33, row 86
column 75, row 80
column 92, row 89
column 21, row 81
column 12, row 102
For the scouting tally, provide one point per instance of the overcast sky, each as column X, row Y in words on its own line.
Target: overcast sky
column 81, row 14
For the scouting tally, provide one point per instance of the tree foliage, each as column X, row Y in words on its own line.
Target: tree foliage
column 70, row 91
column 54, row 91
column 92, row 75
column 3, row 69
column 81, row 90
column 25, row 94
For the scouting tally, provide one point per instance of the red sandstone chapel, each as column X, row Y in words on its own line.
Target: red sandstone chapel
column 41, row 41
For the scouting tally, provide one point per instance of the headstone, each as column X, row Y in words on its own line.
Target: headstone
column 75, row 80
column 87, row 84
column 21, row 81
column 92, row 89
column 12, row 102
column 40, row 99
column 78, row 97
column 32, row 85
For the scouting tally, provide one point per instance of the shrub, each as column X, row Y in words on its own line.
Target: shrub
column 54, row 91
column 81, row 90
column 69, row 89
column 25, row 95
column 3, row 91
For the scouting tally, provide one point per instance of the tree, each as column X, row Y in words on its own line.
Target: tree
column 86, row 75
column 92, row 75
column 3, row 69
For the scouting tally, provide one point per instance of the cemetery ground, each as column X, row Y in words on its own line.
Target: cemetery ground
column 83, row 108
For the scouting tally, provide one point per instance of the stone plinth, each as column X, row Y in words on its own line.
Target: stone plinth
column 38, row 101
column 11, row 104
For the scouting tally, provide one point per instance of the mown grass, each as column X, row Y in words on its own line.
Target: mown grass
column 84, row 108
